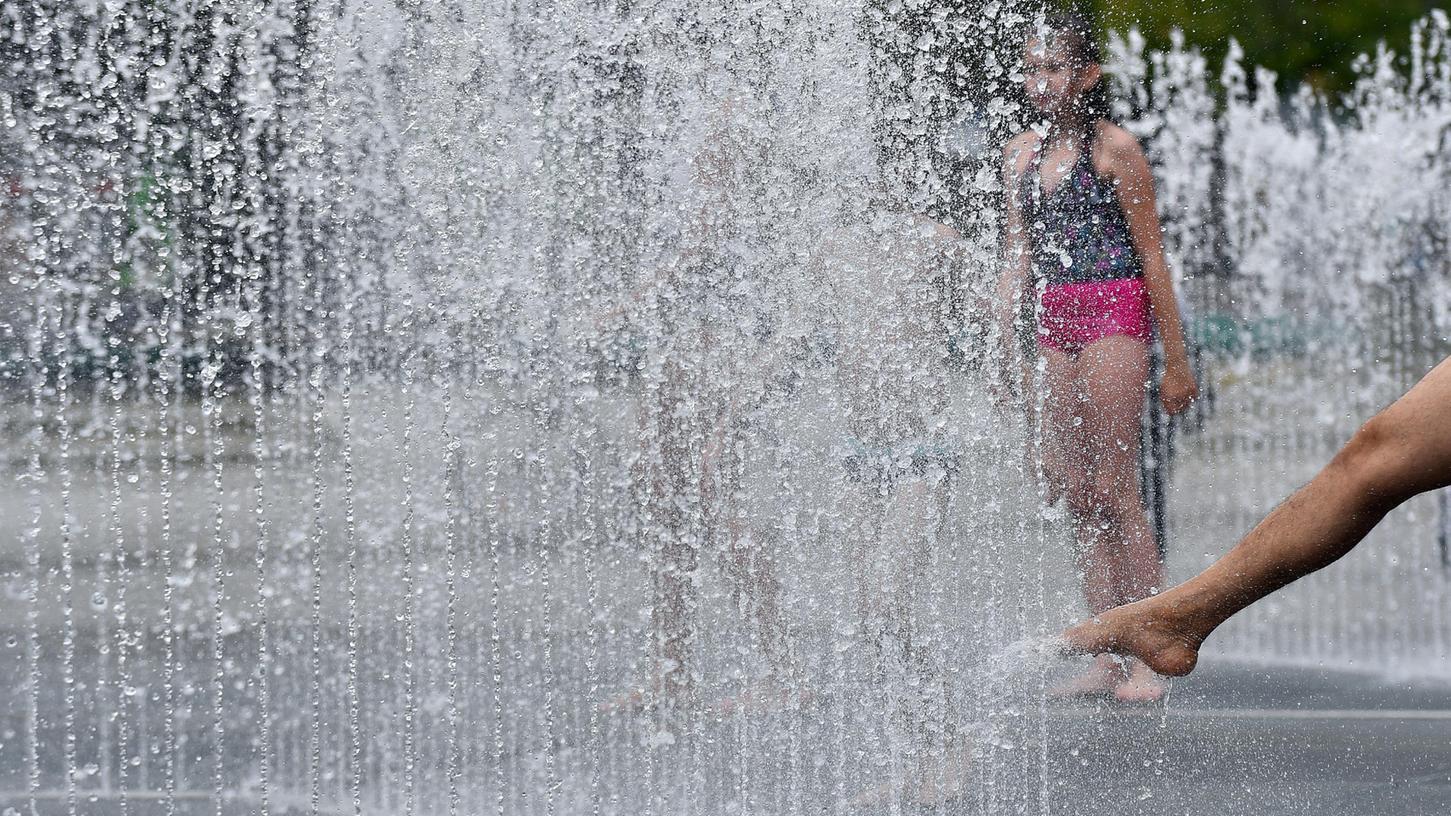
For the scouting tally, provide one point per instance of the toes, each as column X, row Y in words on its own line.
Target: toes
column 1089, row 637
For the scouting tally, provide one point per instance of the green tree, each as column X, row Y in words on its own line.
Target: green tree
column 1311, row 40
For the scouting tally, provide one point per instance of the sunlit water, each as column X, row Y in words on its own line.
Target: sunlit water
column 377, row 377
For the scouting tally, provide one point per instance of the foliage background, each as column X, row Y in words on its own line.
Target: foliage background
column 1311, row 40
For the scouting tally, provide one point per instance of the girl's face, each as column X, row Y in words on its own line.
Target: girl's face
column 1054, row 80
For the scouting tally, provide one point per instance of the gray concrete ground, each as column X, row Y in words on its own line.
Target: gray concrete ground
column 1237, row 739
column 1231, row 740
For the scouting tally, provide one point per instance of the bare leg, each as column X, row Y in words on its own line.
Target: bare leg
column 906, row 519
column 678, row 551
column 1068, row 466
column 1062, row 398
column 892, row 541
column 910, row 527
column 749, row 544
column 751, row 562
column 1065, row 469
column 864, row 536
column 1081, row 453
column 1113, row 372
column 1403, row 451
column 692, row 480
column 926, row 506
column 667, row 476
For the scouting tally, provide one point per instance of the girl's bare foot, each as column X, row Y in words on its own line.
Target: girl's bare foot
column 1151, row 630
column 1142, row 686
column 1102, row 677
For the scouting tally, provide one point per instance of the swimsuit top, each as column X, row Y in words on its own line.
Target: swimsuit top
column 1079, row 233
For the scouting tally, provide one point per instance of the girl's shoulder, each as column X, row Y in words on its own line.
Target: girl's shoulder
column 1116, row 144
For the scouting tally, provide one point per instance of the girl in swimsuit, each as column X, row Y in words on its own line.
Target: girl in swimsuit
column 1083, row 233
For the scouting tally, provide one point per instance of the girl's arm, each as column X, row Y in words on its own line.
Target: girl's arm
column 1016, row 261
column 1136, row 196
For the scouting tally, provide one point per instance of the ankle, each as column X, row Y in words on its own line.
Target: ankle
column 1187, row 614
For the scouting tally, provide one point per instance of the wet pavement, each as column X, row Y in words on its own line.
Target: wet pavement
column 1231, row 739
column 1235, row 739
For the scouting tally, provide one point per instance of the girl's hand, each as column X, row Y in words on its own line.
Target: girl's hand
column 1178, row 389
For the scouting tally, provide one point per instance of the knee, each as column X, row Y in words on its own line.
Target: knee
column 1085, row 499
column 1370, row 463
column 1117, row 496
column 1103, row 498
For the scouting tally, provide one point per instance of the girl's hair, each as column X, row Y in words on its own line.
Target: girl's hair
column 1078, row 35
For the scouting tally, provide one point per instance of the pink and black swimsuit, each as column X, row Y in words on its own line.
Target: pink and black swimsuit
column 1083, row 252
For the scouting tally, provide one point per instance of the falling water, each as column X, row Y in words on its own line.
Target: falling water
column 423, row 392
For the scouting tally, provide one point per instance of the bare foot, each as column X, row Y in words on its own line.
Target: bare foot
column 1141, row 687
column 1149, row 630
column 1102, row 677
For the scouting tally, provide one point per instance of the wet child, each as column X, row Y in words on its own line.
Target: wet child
column 880, row 283
column 1083, row 240
column 708, row 382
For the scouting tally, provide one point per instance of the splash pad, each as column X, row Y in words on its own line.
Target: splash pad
column 375, row 378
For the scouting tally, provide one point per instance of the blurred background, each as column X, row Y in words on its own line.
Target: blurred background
column 1312, row 41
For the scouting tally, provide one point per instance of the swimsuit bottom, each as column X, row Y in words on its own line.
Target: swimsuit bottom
column 886, row 464
column 1075, row 315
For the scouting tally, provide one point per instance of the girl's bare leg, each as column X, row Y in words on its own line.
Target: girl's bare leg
column 892, row 536
column 1057, row 437
column 864, row 532
column 911, row 522
column 1113, row 373
column 899, row 528
column 668, row 472
column 920, row 516
column 1067, row 469
column 1401, row 452
column 749, row 562
column 677, row 552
